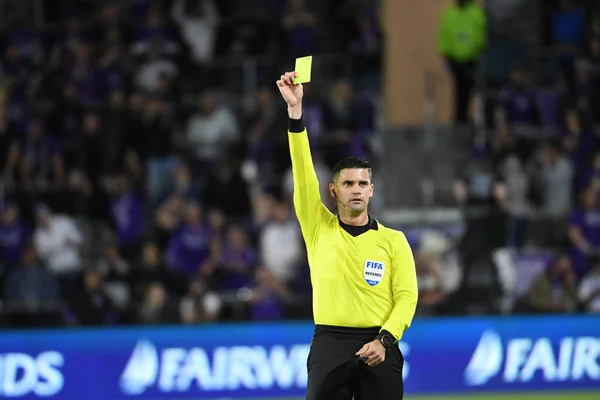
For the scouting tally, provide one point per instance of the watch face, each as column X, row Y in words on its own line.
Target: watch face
column 386, row 341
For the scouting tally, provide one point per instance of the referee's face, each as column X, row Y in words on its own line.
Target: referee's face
column 353, row 189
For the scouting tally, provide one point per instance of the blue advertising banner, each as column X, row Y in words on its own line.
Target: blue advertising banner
column 269, row 360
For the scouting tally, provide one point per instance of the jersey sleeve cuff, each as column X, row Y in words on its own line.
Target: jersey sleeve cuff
column 296, row 125
column 397, row 335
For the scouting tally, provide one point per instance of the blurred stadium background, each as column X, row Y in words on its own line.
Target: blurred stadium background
column 145, row 181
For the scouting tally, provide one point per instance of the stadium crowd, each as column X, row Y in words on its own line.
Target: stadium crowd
column 140, row 182
column 539, row 172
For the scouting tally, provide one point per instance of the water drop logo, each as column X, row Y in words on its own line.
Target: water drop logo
column 141, row 370
column 486, row 361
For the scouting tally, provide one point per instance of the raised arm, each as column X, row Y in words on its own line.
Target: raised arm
column 307, row 198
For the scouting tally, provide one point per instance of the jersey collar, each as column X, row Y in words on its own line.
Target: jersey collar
column 359, row 230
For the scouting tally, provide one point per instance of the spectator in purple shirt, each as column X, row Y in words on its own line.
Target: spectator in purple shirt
column 191, row 248
column 584, row 232
column 577, row 141
column 128, row 217
column 14, row 236
column 568, row 30
column 82, row 74
column 517, row 103
column 269, row 297
column 314, row 108
column 156, row 27
column 299, row 25
column 238, row 260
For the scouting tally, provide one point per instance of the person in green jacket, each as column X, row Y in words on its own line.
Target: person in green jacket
column 462, row 38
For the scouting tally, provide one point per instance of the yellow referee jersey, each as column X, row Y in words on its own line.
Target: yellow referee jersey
column 359, row 280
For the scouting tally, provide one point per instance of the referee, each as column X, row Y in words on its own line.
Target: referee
column 363, row 276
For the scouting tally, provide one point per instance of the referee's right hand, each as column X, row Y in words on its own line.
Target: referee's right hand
column 292, row 93
column 373, row 352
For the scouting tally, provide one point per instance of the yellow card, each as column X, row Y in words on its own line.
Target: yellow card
column 303, row 68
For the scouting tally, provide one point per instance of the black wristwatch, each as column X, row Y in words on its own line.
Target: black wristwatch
column 386, row 339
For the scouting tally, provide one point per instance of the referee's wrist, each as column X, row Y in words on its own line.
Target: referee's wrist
column 386, row 338
column 296, row 125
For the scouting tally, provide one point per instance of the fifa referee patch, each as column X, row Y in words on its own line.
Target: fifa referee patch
column 373, row 272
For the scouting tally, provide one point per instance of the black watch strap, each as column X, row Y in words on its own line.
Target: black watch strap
column 386, row 339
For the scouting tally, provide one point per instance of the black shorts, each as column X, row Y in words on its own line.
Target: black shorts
column 336, row 373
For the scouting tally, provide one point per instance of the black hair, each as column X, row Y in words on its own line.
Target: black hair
column 351, row 163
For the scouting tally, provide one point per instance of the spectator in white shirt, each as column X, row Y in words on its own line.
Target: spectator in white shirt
column 211, row 129
column 150, row 73
column 589, row 290
column 57, row 240
column 198, row 22
column 281, row 244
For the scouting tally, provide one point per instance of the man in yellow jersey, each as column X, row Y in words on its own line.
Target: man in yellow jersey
column 363, row 276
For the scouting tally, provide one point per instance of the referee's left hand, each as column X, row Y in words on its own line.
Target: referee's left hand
column 374, row 352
